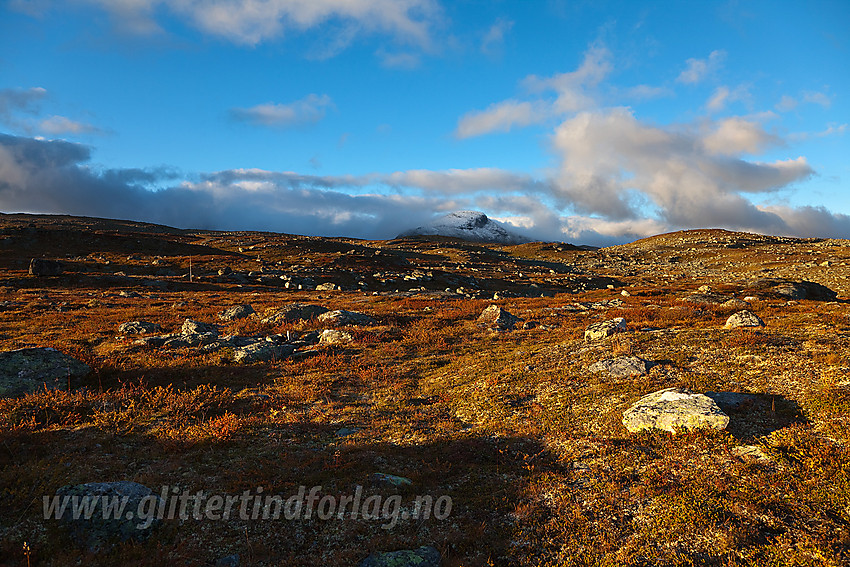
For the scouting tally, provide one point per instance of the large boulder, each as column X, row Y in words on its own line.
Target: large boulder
column 673, row 409
column 744, row 319
column 42, row 267
column 335, row 337
column 495, row 316
column 341, row 317
column 100, row 530
column 295, row 312
column 796, row 290
column 26, row 370
column 604, row 329
column 425, row 556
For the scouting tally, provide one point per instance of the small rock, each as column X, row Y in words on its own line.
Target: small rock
column 227, row 270
column 192, row 327
column 621, row 367
column 495, row 316
column 736, row 303
column 138, row 328
column 335, row 337
column 704, row 288
column 604, row 329
column 390, row 480
column 672, row 409
column 42, row 267
column 236, row 312
column 425, row 556
column 744, row 319
column 329, row 286
column 131, row 294
column 341, row 317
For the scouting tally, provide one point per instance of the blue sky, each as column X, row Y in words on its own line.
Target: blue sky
column 585, row 121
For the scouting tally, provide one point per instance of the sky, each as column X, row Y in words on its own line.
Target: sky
column 591, row 122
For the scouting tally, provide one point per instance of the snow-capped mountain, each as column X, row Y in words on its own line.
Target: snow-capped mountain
column 467, row 225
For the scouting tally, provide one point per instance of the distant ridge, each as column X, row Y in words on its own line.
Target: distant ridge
column 474, row 226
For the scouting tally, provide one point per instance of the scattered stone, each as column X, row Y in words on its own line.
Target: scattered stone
column 329, row 286
column 495, row 316
column 425, row 556
column 295, row 312
column 236, row 312
column 335, row 337
column 621, row 367
column 672, row 409
column 704, row 288
column 262, row 351
column 736, row 303
column 100, row 531
column 42, row 267
column 341, row 317
column 131, row 294
column 138, row 328
column 390, row 480
column 346, row 431
column 744, row 319
column 27, row 370
column 227, row 270
column 604, row 329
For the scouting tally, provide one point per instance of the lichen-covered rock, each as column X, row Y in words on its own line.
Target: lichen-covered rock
column 621, row 367
column 262, row 351
column 495, row 316
column 389, row 480
column 295, row 312
column 425, row 556
column 328, row 286
column 26, row 370
column 744, row 319
column 673, row 409
column 236, row 312
column 42, row 267
column 138, row 328
column 604, row 329
column 334, row 337
column 341, row 317
column 101, row 530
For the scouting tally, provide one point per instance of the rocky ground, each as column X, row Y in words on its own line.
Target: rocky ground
column 680, row 400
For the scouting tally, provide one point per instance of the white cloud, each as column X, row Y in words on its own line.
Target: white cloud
column 307, row 110
column 723, row 95
column 251, row 22
column 733, row 136
column 57, row 125
column 493, row 40
column 817, row 98
column 698, row 70
column 501, row 117
column 786, row 104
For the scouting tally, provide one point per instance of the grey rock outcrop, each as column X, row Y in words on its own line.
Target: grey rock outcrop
column 138, row 328
column 621, row 367
column 673, row 409
column 27, row 370
column 236, row 312
column 262, row 351
column 295, row 312
column 335, row 337
column 425, row 556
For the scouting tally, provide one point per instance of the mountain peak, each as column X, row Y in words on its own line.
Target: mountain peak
column 467, row 225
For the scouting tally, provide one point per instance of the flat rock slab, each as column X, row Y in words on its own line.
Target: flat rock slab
column 495, row 316
column 673, row 409
column 425, row 556
column 604, row 329
column 97, row 532
column 27, row 370
column 621, row 367
column 262, row 351
column 744, row 319
column 341, row 317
